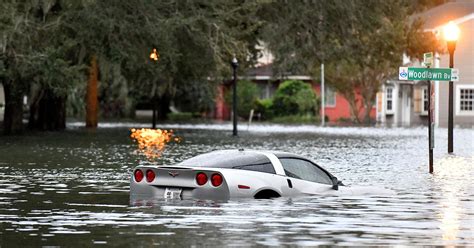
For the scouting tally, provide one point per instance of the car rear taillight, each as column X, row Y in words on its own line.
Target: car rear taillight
column 150, row 176
column 201, row 178
column 138, row 174
column 216, row 180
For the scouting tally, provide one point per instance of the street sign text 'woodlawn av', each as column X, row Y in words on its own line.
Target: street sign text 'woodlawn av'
column 435, row 74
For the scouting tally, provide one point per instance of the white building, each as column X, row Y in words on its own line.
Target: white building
column 405, row 103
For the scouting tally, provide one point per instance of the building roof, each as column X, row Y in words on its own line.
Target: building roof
column 265, row 72
column 457, row 11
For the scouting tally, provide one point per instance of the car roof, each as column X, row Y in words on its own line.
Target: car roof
column 287, row 155
column 234, row 158
column 227, row 159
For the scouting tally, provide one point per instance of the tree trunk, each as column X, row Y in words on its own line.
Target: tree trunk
column 36, row 94
column 369, row 93
column 368, row 109
column 369, row 103
column 163, row 107
column 92, row 102
column 13, row 116
column 352, row 100
column 49, row 113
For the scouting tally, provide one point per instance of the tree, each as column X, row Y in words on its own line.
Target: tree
column 33, row 60
column 195, row 40
column 48, row 46
column 361, row 50
column 247, row 96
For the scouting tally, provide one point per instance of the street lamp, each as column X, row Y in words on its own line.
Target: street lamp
column 451, row 34
column 154, row 57
column 234, row 64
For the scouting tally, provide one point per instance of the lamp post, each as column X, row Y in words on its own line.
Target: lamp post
column 154, row 57
column 234, row 64
column 451, row 34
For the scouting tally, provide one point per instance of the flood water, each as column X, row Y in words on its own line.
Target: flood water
column 72, row 188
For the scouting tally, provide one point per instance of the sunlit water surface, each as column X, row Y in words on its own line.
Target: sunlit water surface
column 72, row 188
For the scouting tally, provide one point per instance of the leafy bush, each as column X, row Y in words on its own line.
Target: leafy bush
column 195, row 95
column 180, row 116
column 308, row 118
column 294, row 97
column 265, row 108
column 247, row 96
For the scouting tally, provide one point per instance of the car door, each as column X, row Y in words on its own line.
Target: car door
column 306, row 177
column 277, row 182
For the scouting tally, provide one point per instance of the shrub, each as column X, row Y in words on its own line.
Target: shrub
column 297, row 119
column 265, row 108
column 294, row 97
column 180, row 116
column 247, row 96
column 195, row 96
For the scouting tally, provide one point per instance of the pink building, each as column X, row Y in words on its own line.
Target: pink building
column 337, row 108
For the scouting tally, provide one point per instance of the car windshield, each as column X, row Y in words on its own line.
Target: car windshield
column 231, row 159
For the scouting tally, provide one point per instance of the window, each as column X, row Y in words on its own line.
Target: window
column 266, row 167
column 389, row 93
column 425, row 97
column 465, row 100
column 305, row 170
column 264, row 89
column 329, row 97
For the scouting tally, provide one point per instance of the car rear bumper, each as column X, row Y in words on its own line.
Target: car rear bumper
column 145, row 191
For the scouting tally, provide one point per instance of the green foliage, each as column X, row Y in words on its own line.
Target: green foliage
column 46, row 46
column 294, row 97
column 181, row 116
column 364, row 48
column 49, row 43
column 265, row 108
column 296, row 119
column 195, row 96
column 247, row 96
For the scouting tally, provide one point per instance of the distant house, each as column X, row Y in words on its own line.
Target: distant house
column 336, row 106
column 405, row 103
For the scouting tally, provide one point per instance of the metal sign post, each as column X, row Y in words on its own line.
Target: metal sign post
column 431, row 123
column 428, row 74
column 428, row 61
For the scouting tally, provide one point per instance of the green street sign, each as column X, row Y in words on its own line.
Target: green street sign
column 435, row 74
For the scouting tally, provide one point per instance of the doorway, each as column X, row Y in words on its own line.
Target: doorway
column 406, row 105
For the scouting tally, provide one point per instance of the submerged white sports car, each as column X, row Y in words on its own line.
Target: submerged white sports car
column 240, row 173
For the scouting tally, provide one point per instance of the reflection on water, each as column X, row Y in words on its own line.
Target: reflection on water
column 152, row 142
column 72, row 188
column 453, row 170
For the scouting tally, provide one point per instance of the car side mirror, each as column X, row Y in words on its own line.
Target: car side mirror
column 335, row 183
